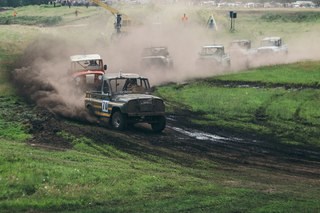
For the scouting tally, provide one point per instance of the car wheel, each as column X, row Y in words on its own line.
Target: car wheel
column 118, row 121
column 90, row 110
column 159, row 125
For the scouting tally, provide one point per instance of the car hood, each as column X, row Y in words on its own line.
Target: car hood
column 129, row 97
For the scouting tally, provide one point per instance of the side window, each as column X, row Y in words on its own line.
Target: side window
column 145, row 84
column 105, row 87
column 139, row 82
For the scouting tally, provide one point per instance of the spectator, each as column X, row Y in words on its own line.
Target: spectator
column 184, row 18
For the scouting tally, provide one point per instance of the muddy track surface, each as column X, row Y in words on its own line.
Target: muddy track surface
column 258, row 84
column 184, row 143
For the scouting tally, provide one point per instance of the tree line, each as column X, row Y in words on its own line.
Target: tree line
column 19, row 3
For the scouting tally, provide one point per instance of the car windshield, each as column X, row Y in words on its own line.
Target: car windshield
column 270, row 43
column 129, row 85
column 155, row 51
column 87, row 65
column 212, row 51
column 241, row 44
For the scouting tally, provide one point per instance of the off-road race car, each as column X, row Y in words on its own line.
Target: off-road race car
column 240, row 50
column 214, row 55
column 272, row 45
column 156, row 57
column 124, row 99
column 271, row 51
column 242, row 44
column 86, row 70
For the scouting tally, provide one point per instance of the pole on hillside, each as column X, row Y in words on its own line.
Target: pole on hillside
column 233, row 16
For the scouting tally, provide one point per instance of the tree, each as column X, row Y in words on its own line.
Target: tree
column 19, row 3
column 3, row 3
column 14, row 3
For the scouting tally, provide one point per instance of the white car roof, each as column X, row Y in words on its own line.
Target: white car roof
column 271, row 38
column 268, row 48
column 85, row 57
column 212, row 46
column 156, row 47
column 151, row 57
column 240, row 40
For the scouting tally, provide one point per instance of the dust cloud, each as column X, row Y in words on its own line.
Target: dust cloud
column 42, row 73
column 164, row 29
column 42, row 77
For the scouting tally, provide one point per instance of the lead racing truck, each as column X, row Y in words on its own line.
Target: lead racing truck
column 125, row 99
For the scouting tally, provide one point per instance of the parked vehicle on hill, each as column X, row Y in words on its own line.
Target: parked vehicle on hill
column 125, row 98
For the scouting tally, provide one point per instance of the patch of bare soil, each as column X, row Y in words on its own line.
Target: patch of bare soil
column 257, row 84
column 44, row 128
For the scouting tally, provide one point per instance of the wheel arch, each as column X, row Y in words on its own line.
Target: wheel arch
column 88, row 105
column 115, row 109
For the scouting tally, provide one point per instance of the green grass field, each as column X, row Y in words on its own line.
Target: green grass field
column 45, row 16
column 301, row 73
column 98, row 177
column 86, row 180
column 288, row 115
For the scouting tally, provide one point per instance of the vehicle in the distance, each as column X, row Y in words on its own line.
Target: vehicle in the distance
column 272, row 45
column 86, row 70
column 214, row 55
column 239, row 51
column 125, row 98
column 241, row 44
column 156, row 57
column 272, row 50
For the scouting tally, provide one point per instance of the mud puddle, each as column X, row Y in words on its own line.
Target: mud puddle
column 199, row 135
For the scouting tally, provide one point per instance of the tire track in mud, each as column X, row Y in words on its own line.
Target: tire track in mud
column 238, row 151
column 260, row 84
column 184, row 143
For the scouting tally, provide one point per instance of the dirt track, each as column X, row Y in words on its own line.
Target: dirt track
column 184, row 143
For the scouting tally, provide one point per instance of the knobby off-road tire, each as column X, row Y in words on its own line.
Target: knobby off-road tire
column 90, row 110
column 118, row 121
column 159, row 125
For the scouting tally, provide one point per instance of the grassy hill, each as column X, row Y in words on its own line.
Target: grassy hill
column 278, row 102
